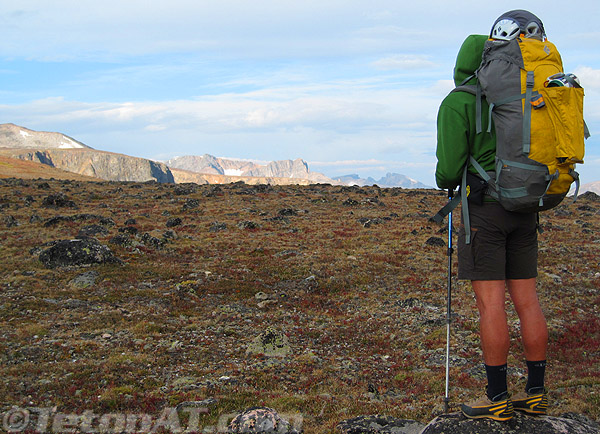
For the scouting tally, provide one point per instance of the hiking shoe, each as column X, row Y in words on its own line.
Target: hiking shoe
column 532, row 403
column 501, row 408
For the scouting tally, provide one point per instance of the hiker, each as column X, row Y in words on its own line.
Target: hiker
column 500, row 252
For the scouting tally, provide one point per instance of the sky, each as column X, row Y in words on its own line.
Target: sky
column 351, row 87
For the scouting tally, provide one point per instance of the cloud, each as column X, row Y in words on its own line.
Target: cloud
column 404, row 62
column 589, row 77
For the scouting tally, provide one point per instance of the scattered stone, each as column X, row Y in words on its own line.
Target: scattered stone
column 35, row 219
column 120, row 240
column 174, row 221
column 456, row 423
column 191, row 204
column 367, row 222
column 205, row 403
column 106, row 221
column 248, row 225
column 130, row 222
column 287, row 253
column 85, row 251
column 152, row 241
column 586, row 208
column 287, row 212
column 170, row 235
column 379, row 424
column 10, row 221
column 561, row 212
column 213, row 191
column 184, row 189
column 217, row 227
column 261, row 420
column 56, row 201
column 350, row 202
column 91, row 231
column 435, row 241
column 84, row 280
column 131, row 230
column 271, row 343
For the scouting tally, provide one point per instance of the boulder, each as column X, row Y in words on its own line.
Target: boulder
column 261, row 420
column 56, row 201
column 459, row 424
column 85, row 251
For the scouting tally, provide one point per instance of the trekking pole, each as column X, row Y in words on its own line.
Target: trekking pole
column 448, row 308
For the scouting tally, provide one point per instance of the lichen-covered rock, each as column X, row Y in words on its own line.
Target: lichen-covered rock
column 456, row 423
column 271, row 343
column 261, row 420
column 379, row 424
column 59, row 200
column 85, row 251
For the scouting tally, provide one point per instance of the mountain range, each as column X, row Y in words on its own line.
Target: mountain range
column 60, row 151
column 390, row 180
column 284, row 169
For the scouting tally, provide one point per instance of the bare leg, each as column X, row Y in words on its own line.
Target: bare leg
column 492, row 320
column 534, row 330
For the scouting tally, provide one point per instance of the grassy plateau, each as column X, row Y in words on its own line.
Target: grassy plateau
column 354, row 277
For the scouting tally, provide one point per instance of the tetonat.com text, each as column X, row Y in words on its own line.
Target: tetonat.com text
column 185, row 420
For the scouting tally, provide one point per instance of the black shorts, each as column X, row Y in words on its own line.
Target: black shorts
column 503, row 244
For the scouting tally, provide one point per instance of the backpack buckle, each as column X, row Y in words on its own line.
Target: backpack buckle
column 537, row 101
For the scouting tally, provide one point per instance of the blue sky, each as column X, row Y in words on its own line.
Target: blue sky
column 349, row 86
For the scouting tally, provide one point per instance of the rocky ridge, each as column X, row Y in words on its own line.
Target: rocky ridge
column 14, row 136
column 98, row 164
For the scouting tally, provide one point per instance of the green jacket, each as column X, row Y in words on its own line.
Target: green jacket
column 456, row 136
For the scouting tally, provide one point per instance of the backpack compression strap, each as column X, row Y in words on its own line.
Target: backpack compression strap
column 462, row 198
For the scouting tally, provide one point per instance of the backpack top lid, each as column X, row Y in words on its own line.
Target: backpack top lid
column 512, row 23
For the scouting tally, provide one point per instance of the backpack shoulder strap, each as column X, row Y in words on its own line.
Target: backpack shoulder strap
column 473, row 89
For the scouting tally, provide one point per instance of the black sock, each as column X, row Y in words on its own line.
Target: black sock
column 496, row 376
column 535, row 375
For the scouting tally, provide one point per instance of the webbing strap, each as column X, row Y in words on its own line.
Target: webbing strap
column 522, row 165
column 462, row 197
column 478, row 109
column 586, row 131
column 492, row 183
column 465, row 206
column 527, row 113
column 575, row 176
column 447, row 209
column 479, row 169
column 551, row 178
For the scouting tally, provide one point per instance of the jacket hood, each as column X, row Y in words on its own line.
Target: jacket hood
column 469, row 57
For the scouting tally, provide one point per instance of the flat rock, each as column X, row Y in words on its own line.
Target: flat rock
column 379, row 424
column 457, row 423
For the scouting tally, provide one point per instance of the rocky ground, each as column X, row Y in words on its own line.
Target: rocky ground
column 320, row 300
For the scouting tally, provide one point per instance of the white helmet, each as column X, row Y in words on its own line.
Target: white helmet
column 513, row 23
column 505, row 30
